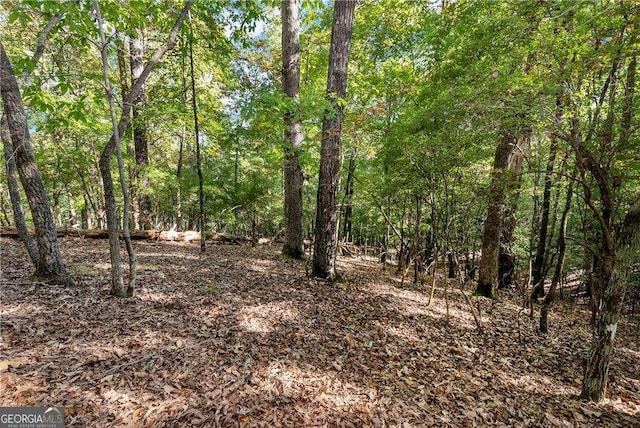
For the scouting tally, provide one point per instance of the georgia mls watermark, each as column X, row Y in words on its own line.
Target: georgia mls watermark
column 31, row 417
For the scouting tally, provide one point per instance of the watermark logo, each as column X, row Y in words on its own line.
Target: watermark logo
column 31, row 417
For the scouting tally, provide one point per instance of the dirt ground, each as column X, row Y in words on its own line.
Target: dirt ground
column 240, row 337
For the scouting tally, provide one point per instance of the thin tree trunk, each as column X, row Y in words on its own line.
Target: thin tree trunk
column 183, row 138
column 329, row 177
column 618, row 252
column 50, row 266
column 538, row 262
column 194, row 105
column 293, row 179
column 118, row 290
column 557, row 274
column 104, row 164
column 14, row 193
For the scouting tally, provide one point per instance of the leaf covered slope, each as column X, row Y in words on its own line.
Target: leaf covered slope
column 240, row 337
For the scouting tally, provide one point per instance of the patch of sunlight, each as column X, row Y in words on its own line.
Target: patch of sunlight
column 116, row 396
column 165, row 297
column 21, row 309
column 265, row 318
column 384, row 289
column 285, row 379
column 263, row 266
column 180, row 256
column 535, row 383
column 414, row 303
column 103, row 266
column 401, row 331
column 631, row 352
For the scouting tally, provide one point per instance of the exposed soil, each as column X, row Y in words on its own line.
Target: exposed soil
column 240, row 336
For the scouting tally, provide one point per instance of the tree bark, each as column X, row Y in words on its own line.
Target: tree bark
column 329, row 177
column 140, row 136
column 488, row 275
column 50, row 266
column 293, row 179
column 506, row 259
column 612, row 283
column 117, row 291
column 14, row 193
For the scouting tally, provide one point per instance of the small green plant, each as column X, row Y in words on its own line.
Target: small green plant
column 85, row 269
column 210, row 290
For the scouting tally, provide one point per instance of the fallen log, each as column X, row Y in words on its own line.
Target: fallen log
column 186, row 236
column 83, row 233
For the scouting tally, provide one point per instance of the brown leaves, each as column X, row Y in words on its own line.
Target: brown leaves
column 273, row 348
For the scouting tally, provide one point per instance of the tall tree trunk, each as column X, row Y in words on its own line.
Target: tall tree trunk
column 557, row 274
column 488, row 276
column 293, row 179
column 140, row 135
column 183, row 139
column 328, row 181
column 506, row 259
column 196, row 126
column 537, row 269
column 14, row 193
column 50, row 266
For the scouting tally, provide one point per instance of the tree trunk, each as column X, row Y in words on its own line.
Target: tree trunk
column 617, row 253
column 140, row 135
column 104, row 163
column 328, row 181
column 117, row 283
column 557, row 274
column 14, row 193
column 183, row 138
column 506, row 259
column 538, row 262
column 488, row 276
column 196, row 125
column 293, row 179
column 50, row 266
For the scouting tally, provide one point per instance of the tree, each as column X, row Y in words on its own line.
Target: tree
column 537, row 269
column 14, row 192
column 557, row 273
column 105, row 167
column 10, row 164
column 488, row 271
column 117, row 286
column 329, row 177
column 293, row 130
column 140, row 135
column 620, row 242
column 50, row 265
column 196, row 129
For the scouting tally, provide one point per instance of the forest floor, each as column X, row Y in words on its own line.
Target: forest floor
column 240, row 336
